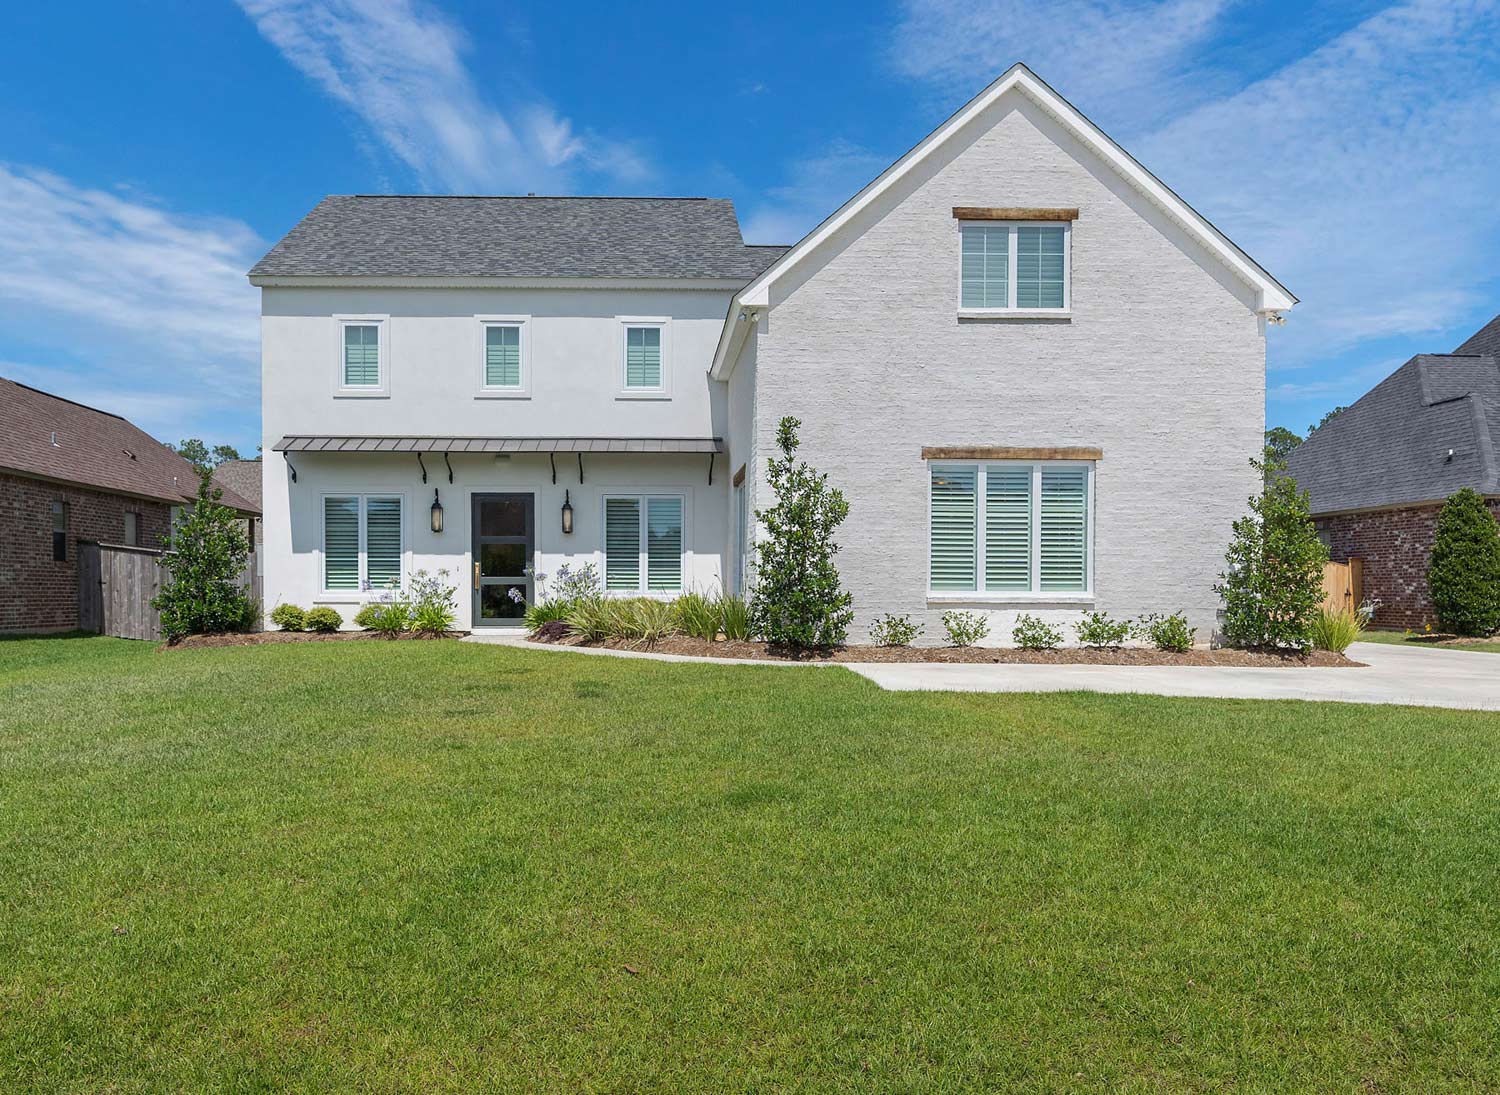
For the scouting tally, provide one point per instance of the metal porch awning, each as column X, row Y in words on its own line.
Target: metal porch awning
column 318, row 443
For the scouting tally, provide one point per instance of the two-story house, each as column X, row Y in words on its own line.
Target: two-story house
column 1036, row 373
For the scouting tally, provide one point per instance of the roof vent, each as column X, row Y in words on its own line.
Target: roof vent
column 128, row 453
column 55, row 445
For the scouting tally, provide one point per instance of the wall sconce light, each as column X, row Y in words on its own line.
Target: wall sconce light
column 437, row 513
column 567, row 515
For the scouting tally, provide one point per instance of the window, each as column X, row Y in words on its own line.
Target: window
column 998, row 529
column 643, row 543
column 503, row 365
column 362, row 542
column 59, row 532
column 1013, row 267
column 362, row 353
column 643, row 363
column 132, row 529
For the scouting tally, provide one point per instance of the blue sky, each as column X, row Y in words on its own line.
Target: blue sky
column 149, row 153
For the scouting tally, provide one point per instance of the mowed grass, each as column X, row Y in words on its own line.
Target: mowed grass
column 1414, row 638
column 443, row 866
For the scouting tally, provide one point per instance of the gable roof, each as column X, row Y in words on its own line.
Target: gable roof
column 92, row 448
column 242, row 477
column 1427, row 430
column 1486, row 340
column 1272, row 295
column 400, row 236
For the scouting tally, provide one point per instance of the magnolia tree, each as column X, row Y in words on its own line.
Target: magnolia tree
column 1273, row 585
column 797, row 600
column 205, row 553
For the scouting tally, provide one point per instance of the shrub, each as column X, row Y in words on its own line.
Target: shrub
column 540, row 615
column 965, row 628
column 322, row 618
column 289, row 617
column 1033, row 633
column 391, row 618
column 205, row 553
column 797, row 601
column 697, row 616
column 734, row 617
column 367, row 615
column 894, row 630
column 1273, row 587
column 652, row 620
column 432, row 602
column 1169, row 633
column 589, row 618
column 1335, row 630
column 1100, row 631
column 1464, row 576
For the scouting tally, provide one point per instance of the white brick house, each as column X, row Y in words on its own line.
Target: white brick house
column 1036, row 373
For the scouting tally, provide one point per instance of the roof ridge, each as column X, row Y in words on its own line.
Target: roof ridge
column 73, row 402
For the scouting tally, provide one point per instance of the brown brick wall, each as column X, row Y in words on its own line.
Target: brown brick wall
column 1396, row 546
column 36, row 593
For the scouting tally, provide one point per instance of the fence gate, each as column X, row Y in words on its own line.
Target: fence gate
column 1343, row 585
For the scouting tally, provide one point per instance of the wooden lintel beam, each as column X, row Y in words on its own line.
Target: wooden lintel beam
column 1011, row 213
column 1010, row 452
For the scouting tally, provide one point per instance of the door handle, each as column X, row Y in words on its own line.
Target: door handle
column 476, row 575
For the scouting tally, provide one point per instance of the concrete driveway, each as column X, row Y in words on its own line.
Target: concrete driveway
column 1394, row 674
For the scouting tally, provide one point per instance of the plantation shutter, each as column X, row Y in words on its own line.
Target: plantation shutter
column 622, row 543
column 664, row 544
column 1039, row 267
column 643, row 357
column 1007, row 528
column 383, row 541
column 341, row 543
column 361, row 356
column 502, row 357
column 954, row 532
column 985, row 266
column 1064, row 529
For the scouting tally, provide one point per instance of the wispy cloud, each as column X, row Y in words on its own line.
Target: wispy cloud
column 399, row 66
column 816, row 186
column 1122, row 60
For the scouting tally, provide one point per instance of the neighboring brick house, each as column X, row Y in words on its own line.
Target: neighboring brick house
column 243, row 478
column 1378, row 472
column 70, row 473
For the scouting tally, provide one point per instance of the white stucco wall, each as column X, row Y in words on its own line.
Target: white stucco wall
column 1162, row 365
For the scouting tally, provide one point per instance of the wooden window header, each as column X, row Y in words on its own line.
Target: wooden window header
column 739, row 476
column 1008, row 213
column 1003, row 452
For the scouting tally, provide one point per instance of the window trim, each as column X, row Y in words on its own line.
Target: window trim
column 642, row 589
column 359, row 594
column 1011, row 311
column 1034, row 595
column 489, row 391
column 382, row 390
column 664, row 325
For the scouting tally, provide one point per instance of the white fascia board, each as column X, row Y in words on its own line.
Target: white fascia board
column 1272, row 296
column 279, row 281
column 738, row 323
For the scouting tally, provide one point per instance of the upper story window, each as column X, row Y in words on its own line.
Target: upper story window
column 504, row 365
column 363, row 352
column 643, row 361
column 1013, row 267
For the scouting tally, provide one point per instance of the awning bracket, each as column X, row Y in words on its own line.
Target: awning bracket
column 292, row 469
column 711, row 469
column 552, row 459
column 450, row 466
column 580, row 469
column 422, row 466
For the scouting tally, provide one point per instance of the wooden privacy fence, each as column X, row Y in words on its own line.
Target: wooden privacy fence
column 117, row 582
column 1343, row 585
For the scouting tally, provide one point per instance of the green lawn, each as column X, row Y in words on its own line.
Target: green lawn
column 434, row 866
column 1405, row 638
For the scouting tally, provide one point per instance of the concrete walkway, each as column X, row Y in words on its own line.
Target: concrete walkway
column 1394, row 674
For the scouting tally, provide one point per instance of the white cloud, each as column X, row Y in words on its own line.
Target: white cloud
column 816, row 186
column 399, row 66
column 1118, row 59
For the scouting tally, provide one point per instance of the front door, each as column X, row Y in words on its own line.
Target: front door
column 504, row 538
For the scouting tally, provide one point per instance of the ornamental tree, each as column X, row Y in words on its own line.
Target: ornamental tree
column 797, row 600
column 1464, row 575
column 205, row 553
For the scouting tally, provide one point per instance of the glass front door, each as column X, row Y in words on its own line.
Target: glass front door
column 504, row 540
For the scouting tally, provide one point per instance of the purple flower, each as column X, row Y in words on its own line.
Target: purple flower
column 516, row 595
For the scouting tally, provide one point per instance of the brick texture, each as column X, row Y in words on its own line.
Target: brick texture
column 37, row 593
column 1396, row 546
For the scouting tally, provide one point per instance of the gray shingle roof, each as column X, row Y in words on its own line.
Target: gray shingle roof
column 421, row 236
column 1486, row 340
column 1391, row 447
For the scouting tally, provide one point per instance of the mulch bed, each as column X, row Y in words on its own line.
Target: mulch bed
column 260, row 638
column 980, row 655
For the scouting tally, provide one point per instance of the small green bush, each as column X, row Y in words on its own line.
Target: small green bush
column 1335, row 630
column 1169, row 633
column 289, row 617
column 1464, row 575
column 697, row 616
column 393, row 617
column 590, row 618
column 367, row 616
column 431, row 618
column 322, row 618
column 432, row 604
column 965, row 628
column 894, row 630
column 1100, row 631
column 539, row 615
column 734, row 617
column 1032, row 633
column 652, row 620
